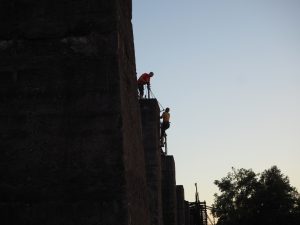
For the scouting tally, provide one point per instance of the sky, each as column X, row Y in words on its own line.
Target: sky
column 229, row 70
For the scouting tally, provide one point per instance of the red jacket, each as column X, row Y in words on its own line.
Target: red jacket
column 144, row 79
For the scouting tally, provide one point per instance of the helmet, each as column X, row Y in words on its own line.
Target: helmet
column 151, row 74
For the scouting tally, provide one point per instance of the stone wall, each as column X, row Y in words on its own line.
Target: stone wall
column 169, row 190
column 150, row 122
column 71, row 144
column 180, row 205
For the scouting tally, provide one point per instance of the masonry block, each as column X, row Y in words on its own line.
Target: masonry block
column 169, row 190
column 70, row 133
column 151, row 128
column 180, row 205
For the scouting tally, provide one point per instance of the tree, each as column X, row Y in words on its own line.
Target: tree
column 250, row 198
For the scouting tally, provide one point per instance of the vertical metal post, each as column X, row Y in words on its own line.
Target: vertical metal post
column 148, row 88
column 196, row 194
column 166, row 147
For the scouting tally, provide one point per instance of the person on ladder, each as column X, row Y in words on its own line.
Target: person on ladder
column 164, row 125
column 144, row 79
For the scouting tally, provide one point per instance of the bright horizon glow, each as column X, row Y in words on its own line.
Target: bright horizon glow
column 230, row 73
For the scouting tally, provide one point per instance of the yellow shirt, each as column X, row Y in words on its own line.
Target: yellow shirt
column 165, row 116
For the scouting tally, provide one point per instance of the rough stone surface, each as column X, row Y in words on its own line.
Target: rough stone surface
column 169, row 190
column 150, row 123
column 180, row 205
column 70, row 134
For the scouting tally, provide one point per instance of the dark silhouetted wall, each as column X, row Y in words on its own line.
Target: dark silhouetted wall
column 169, row 190
column 150, row 123
column 70, row 125
column 180, row 205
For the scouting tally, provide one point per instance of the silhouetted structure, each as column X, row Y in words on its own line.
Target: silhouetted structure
column 76, row 145
column 198, row 213
column 180, row 205
column 71, row 140
column 169, row 190
column 150, row 124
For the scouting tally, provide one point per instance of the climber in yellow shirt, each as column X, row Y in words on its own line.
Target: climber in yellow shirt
column 165, row 123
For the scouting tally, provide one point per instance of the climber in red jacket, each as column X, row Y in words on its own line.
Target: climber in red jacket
column 144, row 79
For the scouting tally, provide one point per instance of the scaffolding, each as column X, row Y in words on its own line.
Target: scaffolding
column 198, row 211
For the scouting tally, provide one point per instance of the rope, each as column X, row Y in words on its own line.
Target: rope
column 157, row 100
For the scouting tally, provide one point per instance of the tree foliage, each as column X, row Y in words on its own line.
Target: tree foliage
column 247, row 198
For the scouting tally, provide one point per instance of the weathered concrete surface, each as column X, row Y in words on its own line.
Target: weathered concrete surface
column 169, row 190
column 70, row 133
column 180, row 205
column 150, row 123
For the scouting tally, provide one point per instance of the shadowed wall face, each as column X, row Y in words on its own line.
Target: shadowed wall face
column 169, row 190
column 71, row 145
column 180, row 205
column 150, row 123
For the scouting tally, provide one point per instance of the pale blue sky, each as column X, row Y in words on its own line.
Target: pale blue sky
column 230, row 72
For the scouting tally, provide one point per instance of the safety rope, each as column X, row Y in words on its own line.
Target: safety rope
column 164, row 138
column 160, row 105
